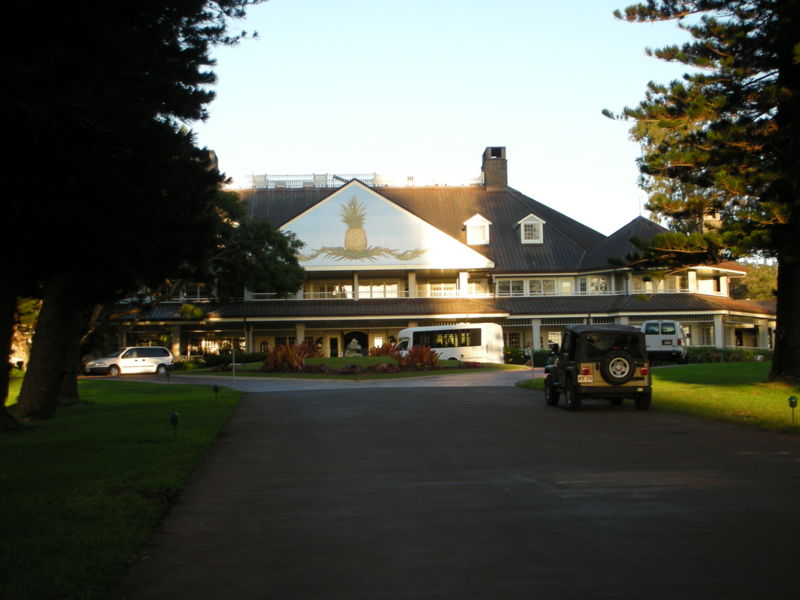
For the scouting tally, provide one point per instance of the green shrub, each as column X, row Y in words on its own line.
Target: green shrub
column 514, row 356
column 707, row 354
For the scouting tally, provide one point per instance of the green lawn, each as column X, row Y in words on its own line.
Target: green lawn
column 81, row 493
column 731, row 392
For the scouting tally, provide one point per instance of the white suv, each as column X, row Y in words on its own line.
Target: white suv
column 133, row 359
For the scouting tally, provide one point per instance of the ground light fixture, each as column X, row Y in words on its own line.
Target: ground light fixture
column 174, row 419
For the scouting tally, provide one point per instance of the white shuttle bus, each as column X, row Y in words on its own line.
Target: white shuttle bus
column 475, row 342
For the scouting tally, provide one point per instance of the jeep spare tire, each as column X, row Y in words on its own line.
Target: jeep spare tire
column 617, row 367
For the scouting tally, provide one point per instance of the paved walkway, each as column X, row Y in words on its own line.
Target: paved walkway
column 477, row 378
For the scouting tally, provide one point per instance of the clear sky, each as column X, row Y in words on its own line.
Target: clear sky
column 421, row 87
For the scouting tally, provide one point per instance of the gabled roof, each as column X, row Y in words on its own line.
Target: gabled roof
column 447, row 208
column 618, row 244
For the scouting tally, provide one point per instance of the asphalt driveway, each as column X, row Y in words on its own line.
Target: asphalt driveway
column 477, row 492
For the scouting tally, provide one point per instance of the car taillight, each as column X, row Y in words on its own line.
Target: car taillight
column 586, row 370
column 680, row 342
column 644, row 370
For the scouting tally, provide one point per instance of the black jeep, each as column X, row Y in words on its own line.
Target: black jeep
column 599, row 361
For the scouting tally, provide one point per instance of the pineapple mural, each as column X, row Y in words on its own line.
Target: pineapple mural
column 356, row 248
column 353, row 214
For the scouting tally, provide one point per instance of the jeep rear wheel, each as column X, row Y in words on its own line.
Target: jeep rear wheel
column 551, row 394
column 617, row 367
column 572, row 401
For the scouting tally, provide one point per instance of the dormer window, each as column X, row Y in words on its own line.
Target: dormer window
column 477, row 230
column 531, row 230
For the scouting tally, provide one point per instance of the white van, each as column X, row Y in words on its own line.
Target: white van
column 478, row 342
column 133, row 359
column 665, row 340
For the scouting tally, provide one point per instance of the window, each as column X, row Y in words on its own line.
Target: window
column 333, row 290
column 511, row 287
column 531, row 232
column 477, row 234
column 598, row 344
column 378, row 290
column 479, row 287
column 531, row 229
column 592, row 285
column 513, row 339
column 438, row 289
column 477, row 230
column 542, row 287
column 455, row 338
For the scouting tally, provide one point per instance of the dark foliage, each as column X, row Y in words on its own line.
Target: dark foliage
column 721, row 148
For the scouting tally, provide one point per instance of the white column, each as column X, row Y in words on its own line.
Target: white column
column 536, row 331
column 355, row 286
column 463, row 283
column 299, row 332
column 692, row 280
column 248, row 337
column 412, row 284
column 175, row 340
column 763, row 337
column 719, row 332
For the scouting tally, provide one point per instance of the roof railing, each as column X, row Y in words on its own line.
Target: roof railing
column 336, row 180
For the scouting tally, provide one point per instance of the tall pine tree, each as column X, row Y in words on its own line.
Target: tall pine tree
column 722, row 146
column 105, row 189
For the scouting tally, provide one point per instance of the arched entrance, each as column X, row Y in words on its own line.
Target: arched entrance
column 360, row 337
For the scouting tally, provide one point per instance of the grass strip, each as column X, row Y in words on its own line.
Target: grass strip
column 83, row 492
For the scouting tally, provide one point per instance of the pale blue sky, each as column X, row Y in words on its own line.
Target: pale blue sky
column 421, row 87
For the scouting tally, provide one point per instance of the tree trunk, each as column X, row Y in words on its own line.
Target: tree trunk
column 786, row 361
column 8, row 307
column 68, row 390
column 60, row 307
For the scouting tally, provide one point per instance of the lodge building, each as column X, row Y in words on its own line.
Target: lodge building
column 380, row 257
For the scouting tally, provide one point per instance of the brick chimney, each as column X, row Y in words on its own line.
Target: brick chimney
column 495, row 169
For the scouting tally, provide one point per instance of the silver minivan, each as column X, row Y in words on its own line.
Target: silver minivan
column 133, row 359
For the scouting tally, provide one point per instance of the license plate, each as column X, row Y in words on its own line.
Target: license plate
column 585, row 379
column 666, row 342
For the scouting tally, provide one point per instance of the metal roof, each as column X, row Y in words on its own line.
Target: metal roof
column 566, row 241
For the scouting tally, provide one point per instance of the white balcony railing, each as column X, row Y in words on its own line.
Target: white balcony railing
column 455, row 293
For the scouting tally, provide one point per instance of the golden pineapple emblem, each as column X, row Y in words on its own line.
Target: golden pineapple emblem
column 353, row 214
